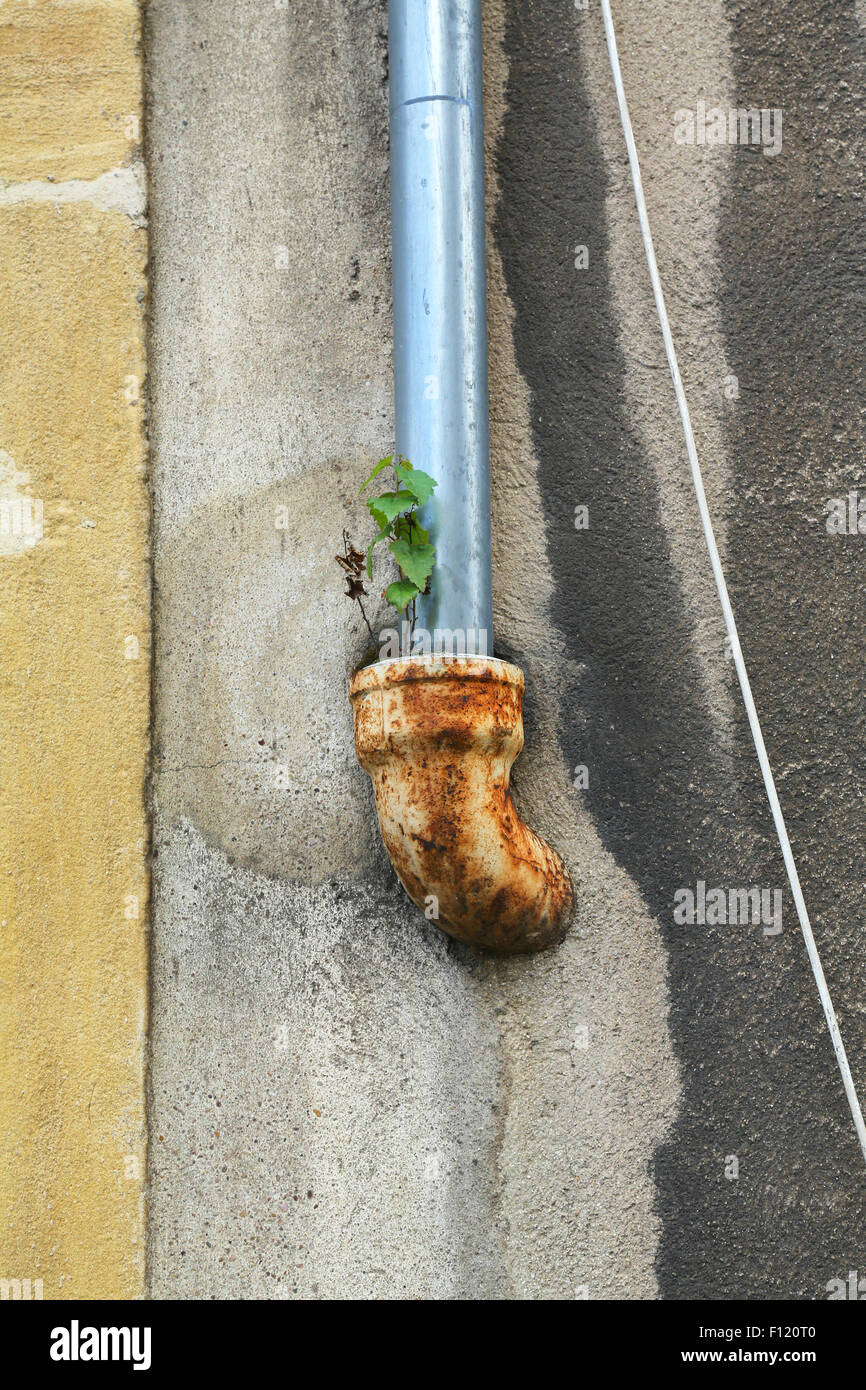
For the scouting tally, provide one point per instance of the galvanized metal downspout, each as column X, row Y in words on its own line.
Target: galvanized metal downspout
column 438, row 734
column 440, row 296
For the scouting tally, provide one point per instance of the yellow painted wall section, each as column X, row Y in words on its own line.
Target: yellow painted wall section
column 74, row 652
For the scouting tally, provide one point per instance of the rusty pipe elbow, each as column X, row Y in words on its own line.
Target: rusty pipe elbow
column 438, row 736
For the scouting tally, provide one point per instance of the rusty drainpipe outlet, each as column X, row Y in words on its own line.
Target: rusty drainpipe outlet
column 438, row 736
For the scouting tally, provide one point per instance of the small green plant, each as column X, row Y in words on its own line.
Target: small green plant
column 395, row 514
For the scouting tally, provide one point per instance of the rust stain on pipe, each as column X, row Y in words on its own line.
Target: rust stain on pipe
column 438, row 736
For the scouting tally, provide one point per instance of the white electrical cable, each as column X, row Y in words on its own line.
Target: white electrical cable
column 730, row 624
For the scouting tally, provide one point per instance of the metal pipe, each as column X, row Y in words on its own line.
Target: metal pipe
column 440, row 305
column 438, row 733
column 438, row 736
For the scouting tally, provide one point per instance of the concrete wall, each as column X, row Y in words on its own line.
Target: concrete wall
column 343, row 1102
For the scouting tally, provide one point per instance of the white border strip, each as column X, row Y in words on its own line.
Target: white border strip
column 119, row 190
column 730, row 624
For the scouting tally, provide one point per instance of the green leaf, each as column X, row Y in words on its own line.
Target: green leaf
column 401, row 593
column 383, row 463
column 379, row 516
column 414, row 560
column 420, row 484
column 383, row 535
column 390, row 505
column 407, row 528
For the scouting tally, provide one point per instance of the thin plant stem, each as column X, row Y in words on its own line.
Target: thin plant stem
column 367, row 621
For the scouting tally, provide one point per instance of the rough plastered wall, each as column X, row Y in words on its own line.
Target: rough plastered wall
column 74, row 651
column 343, row 1102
